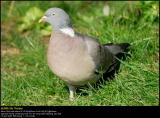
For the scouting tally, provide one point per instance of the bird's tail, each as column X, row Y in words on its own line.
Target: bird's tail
column 119, row 50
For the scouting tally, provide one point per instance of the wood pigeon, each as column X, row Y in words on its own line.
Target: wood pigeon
column 75, row 58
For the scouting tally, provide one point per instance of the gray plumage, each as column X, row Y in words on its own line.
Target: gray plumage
column 58, row 18
column 78, row 59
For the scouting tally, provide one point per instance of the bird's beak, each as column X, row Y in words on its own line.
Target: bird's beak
column 42, row 19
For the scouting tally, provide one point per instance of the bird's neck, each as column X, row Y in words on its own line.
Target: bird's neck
column 66, row 30
column 69, row 31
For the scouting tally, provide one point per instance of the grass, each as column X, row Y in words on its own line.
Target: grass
column 27, row 80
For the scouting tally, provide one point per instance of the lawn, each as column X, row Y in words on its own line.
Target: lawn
column 26, row 79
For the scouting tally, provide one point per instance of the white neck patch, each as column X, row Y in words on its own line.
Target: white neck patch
column 68, row 31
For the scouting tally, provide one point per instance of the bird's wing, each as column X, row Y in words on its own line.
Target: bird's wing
column 101, row 56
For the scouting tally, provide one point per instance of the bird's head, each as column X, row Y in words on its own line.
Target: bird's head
column 57, row 17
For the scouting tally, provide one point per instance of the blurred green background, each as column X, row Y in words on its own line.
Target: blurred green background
column 26, row 78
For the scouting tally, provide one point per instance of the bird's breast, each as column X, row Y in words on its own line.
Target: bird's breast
column 69, row 59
